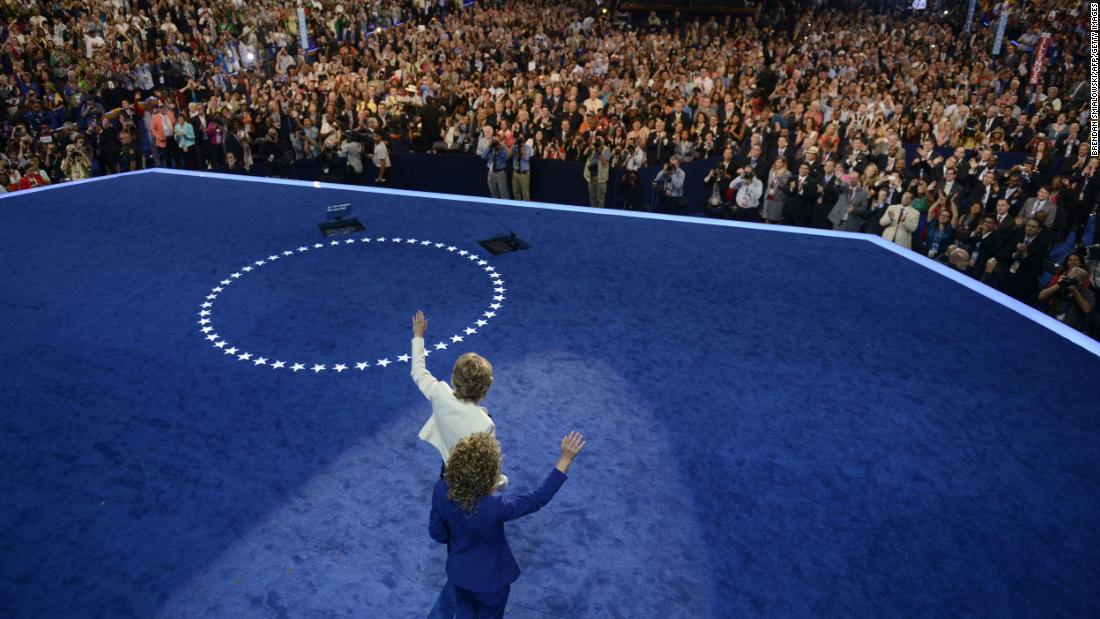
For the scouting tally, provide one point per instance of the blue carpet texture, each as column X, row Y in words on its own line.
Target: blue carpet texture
column 779, row 424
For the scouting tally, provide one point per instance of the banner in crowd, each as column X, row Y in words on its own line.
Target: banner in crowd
column 1040, row 59
column 1002, row 23
column 303, row 28
column 970, row 16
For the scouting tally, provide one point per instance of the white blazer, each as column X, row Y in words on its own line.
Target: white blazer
column 900, row 223
column 452, row 419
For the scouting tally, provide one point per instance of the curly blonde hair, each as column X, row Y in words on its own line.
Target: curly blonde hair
column 472, row 469
column 471, row 377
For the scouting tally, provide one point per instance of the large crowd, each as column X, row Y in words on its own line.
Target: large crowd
column 805, row 109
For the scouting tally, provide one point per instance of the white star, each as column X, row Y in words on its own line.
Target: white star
column 273, row 257
column 499, row 297
column 410, row 241
column 218, row 289
column 456, row 338
column 440, row 346
column 381, row 239
column 296, row 367
column 451, row 248
column 482, row 323
column 490, row 268
column 397, row 240
column 260, row 361
column 427, row 353
column 349, row 241
column 259, row 263
column 235, row 275
column 318, row 368
column 463, row 253
column 211, row 297
column 288, row 253
column 438, row 245
column 220, row 344
column 364, row 240
column 495, row 306
column 497, row 281
column 470, row 331
column 303, row 248
column 207, row 329
column 226, row 282
column 489, row 314
column 231, row 351
column 403, row 358
column 207, row 304
column 481, row 263
column 317, row 246
column 362, row 365
column 278, row 364
column 471, row 257
column 245, row 356
column 213, row 337
column 247, row 269
column 425, row 242
column 499, row 289
column 204, row 321
column 384, row 362
column 339, row 367
column 334, row 243
column 204, row 313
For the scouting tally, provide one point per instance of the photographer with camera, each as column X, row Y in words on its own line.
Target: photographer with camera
column 597, row 169
column 496, row 154
column 351, row 151
column 522, row 153
column 668, row 186
column 75, row 165
column 747, row 190
column 718, row 179
column 632, row 159
column 1070, row 298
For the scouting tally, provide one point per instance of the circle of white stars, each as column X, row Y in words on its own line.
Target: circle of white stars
column 210, row 333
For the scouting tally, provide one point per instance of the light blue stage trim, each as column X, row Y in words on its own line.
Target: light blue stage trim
column 23, row 192
column 996, row 296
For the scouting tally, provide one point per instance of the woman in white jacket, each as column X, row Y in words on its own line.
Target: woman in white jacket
column 900, row 222
column 456, row 408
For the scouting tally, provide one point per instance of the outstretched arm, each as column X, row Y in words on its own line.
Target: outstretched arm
column 420, row 374
column 532, row 502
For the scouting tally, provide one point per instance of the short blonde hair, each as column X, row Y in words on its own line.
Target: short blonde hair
column 472, row 469
column 472, row 376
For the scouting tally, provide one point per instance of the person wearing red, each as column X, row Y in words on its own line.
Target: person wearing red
column 34, row 177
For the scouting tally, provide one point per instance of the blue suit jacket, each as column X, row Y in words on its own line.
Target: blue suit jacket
column 479, row 558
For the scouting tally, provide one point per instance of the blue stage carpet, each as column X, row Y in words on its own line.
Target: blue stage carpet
column 779, row 424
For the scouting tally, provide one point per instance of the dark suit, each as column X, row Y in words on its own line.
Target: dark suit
column 983, row 248
column 830, row 191
column 480, row 563
column 1024, row 283
column 1015, row 200
column 800, row 202
column 987, row 198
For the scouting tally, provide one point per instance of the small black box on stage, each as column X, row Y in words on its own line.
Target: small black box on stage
column 337, row 224
column 503, row 244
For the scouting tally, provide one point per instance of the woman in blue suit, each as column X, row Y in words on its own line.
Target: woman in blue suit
column 469, row 518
